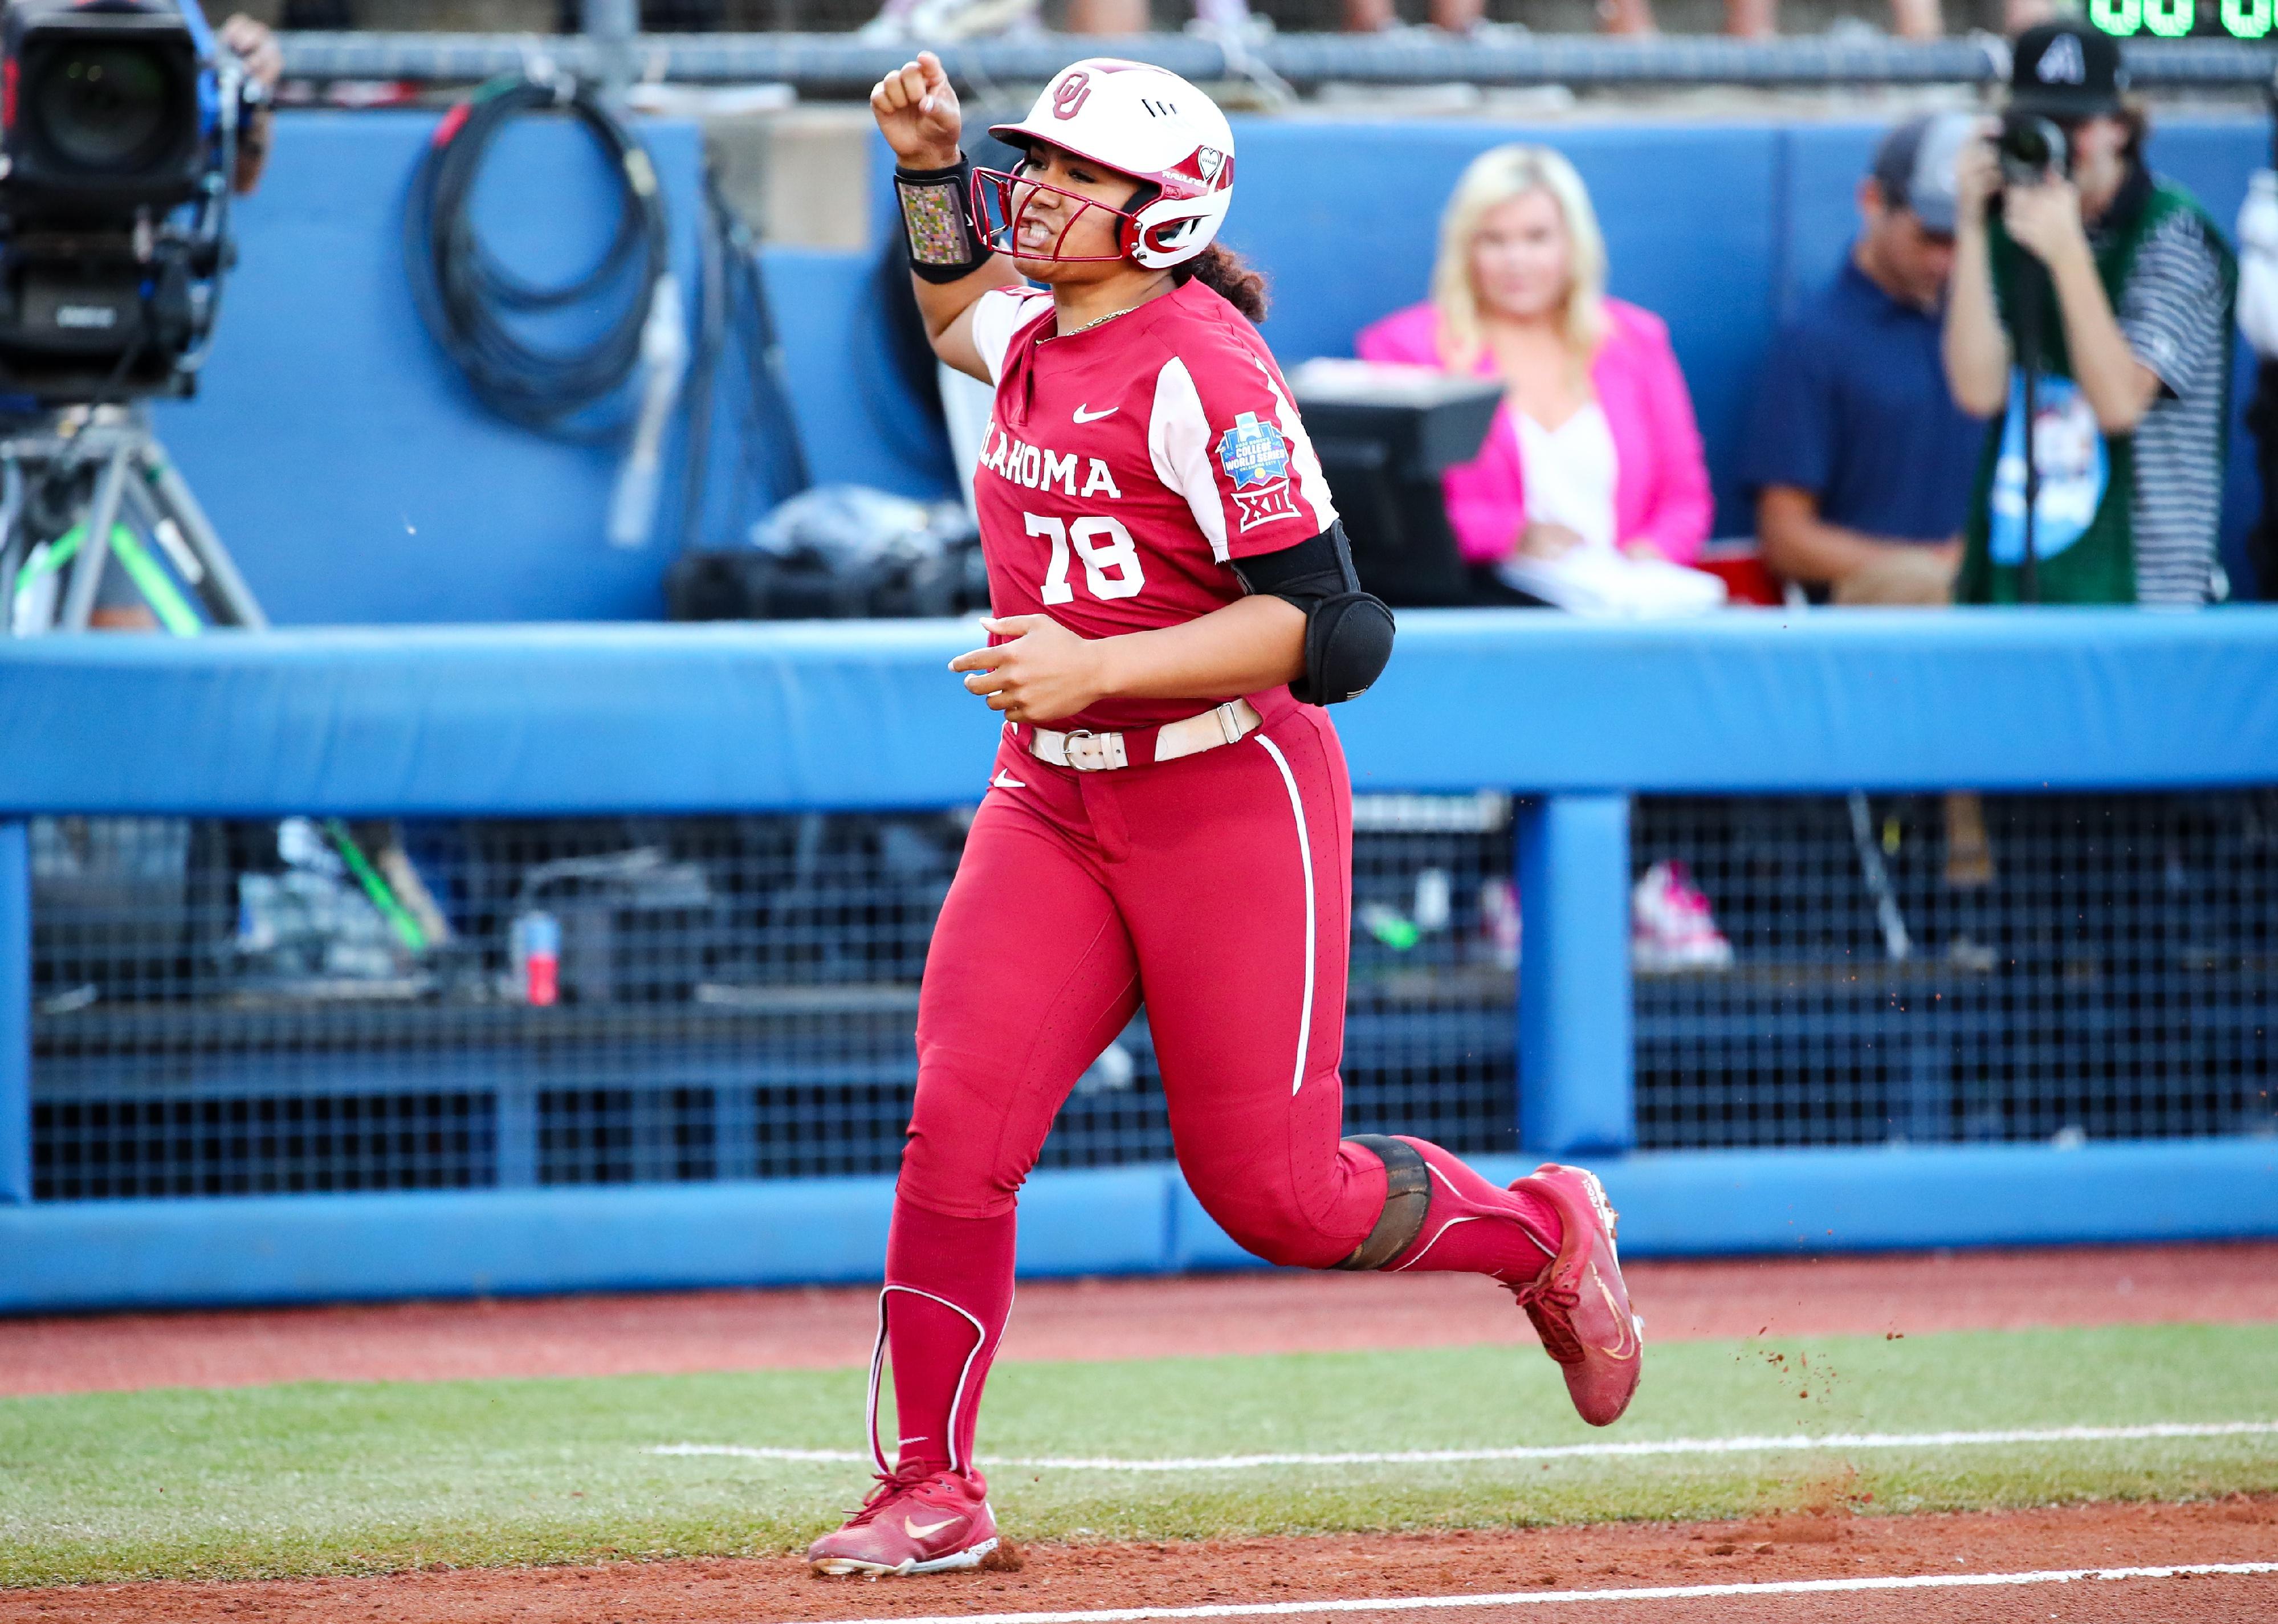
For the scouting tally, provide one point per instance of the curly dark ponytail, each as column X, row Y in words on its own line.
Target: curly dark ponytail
column 1227, row 274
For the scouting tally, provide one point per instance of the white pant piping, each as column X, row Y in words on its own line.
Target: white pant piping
column 1305, row 860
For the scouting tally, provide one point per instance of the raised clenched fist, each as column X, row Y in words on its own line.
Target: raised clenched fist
column 918, row 114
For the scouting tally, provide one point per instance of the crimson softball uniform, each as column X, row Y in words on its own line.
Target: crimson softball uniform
column 1126, row 467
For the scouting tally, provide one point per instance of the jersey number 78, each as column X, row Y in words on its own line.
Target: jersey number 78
column 1106, row 547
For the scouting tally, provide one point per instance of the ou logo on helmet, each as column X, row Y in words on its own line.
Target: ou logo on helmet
column 1068, row 96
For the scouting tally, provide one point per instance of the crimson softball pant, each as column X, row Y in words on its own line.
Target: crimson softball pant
column 1216, row 888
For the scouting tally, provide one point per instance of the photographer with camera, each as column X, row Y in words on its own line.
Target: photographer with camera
column 254, row 46
column 2093, row 298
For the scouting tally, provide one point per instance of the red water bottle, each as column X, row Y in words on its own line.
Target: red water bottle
column 538, row 942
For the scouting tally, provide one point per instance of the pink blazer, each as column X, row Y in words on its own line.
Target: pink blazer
column 1661, row 483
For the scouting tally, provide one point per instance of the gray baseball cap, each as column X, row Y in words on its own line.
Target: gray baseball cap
column 1915, row 166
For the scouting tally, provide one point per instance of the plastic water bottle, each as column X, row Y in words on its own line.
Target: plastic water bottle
column 538, row 958
column 1435, row 900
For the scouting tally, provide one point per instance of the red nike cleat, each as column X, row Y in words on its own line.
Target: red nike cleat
column 1579, row 1305
column 916, row 1522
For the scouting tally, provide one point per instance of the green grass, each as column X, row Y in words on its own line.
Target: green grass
column 330, row 1478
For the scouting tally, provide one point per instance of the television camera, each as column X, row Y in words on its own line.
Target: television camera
column 119, row 129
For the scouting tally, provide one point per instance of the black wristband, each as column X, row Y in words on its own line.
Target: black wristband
column 937, row 221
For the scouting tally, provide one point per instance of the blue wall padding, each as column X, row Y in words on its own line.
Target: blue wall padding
column 568, row 719
column 353, row 475
column 15, row 994
column 78, row 1255
column 1703, row 1203
column 857, row 424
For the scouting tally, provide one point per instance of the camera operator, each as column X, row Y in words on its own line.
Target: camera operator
column 2099, row 296
column 120, row 603
column 254, row 45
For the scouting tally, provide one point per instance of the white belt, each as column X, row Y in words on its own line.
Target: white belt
column 1100, row 752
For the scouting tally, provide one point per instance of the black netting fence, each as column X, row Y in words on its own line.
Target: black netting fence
column 225, row 1009
column 1937, row 969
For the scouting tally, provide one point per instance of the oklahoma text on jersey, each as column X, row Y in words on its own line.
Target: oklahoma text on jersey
column 1036, row 468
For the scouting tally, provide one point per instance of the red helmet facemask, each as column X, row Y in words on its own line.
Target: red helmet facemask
column 1000, row 198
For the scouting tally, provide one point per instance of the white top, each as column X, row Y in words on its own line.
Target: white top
column 2258, row 264
column 1569, row 474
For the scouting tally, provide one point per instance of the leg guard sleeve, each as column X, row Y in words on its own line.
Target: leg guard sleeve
column 1407, row 1198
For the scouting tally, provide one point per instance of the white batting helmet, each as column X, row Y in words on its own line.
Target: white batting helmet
column 1139, row 120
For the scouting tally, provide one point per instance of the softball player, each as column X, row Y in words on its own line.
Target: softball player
column 1170, row 815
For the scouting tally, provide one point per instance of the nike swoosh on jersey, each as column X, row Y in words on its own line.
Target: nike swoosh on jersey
column 919, row 1530
column 1006, row 781
column 1085, row 414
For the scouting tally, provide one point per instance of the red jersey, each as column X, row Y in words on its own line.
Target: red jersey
column 1126, row 465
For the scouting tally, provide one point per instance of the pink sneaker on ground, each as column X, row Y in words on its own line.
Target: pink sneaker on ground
column 1579, row 1305
column 915, row 1521
column 1671, row 924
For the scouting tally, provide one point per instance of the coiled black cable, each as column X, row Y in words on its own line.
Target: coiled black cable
column 469, row 301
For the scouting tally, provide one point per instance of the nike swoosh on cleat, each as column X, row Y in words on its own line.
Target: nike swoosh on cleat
column 919, row 1530
column 1006, row 781
column 1624, row 1346
column 1085, row 414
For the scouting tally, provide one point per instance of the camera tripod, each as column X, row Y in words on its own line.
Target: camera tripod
column 87, row 487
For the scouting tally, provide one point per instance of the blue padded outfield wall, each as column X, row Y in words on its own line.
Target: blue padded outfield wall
column 357, row 482
column 503, row 723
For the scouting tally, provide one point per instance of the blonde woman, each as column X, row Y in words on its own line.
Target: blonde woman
column 1595, row 444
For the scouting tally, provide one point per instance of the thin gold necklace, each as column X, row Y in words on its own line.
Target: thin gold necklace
column 1097, row 320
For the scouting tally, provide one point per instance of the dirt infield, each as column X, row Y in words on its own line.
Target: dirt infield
column 1260, row 1312
column 1827, row 1545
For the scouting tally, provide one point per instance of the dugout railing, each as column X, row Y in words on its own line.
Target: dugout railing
column 842, row 65
column 2074, row 1048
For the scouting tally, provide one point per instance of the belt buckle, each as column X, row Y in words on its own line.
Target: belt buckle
column 1089, row 756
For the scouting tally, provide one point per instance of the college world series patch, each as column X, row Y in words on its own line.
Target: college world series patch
column 1256, row 457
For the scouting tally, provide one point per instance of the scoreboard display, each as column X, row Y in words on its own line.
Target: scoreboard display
column 2176, row 20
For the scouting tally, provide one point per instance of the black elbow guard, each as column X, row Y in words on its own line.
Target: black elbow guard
column 1348, row 632
column 1347, row 644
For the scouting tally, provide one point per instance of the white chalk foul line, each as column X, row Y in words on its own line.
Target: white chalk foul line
column 1535, row 1598
column 1553, row 1451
